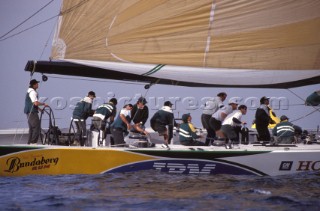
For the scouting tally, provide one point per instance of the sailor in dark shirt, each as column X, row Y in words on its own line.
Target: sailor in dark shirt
column 284, row 132
column 120, row 125
column 139, row 115
column 80, row 114
column 31, row 110
column 187, row 132
column 262, row 120
column 103, row 113
column 162, row 118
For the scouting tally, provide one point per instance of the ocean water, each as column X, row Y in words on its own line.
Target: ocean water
column 151, row 190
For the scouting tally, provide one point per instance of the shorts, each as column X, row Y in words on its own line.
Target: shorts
column 205, row 118
column 229, row 131
column 161, row 129
column 215, row 124
column 98, row 123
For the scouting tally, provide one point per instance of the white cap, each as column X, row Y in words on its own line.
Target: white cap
column 233, row 101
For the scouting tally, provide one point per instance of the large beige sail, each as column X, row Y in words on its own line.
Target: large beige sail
column 245, row 34
column 242, row 43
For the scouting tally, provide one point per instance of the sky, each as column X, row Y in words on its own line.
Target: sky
column 62, row 92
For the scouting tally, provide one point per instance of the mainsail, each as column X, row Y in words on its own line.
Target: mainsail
column 241, row 43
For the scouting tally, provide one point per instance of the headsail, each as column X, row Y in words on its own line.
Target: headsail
column 197, row 43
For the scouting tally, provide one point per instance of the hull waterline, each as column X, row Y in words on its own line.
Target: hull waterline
column 21, row 160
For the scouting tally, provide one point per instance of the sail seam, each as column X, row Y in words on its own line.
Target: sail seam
column 154, row 70
column 209, row 33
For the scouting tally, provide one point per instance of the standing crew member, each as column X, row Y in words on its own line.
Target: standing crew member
column 80, row 114
column 31, row 108
column 262, row 120
column 104, row 112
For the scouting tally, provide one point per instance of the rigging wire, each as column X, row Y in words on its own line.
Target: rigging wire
column 41, row 53
column 2, row 38
column 25, row 20
column 292, row 92
column 73, row 7
column 304, row 116
column 31, row 27
column 46, row 45
column 316, row 109
column 297, row 104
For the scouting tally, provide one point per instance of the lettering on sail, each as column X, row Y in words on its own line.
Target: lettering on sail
column 14, row 164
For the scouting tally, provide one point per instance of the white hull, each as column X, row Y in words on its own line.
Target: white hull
column 20, row 160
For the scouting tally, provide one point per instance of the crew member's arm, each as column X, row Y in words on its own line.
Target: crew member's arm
column 111, row 118
column 123, row 118
column 138, row 128
column 237, row 121
column 223, row 116
column 193, row 131
column 37, row 103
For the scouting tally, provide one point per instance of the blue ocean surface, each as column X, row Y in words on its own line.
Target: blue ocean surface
column 152, row 190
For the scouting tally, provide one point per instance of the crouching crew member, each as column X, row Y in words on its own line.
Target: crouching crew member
column 162, row 118
column 187, row 132
column 121, row 125
column 284, row 132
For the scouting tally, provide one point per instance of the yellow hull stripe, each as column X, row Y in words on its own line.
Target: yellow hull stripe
column 67, row 161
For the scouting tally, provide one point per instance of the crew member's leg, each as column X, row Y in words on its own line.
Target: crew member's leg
column 34, row 127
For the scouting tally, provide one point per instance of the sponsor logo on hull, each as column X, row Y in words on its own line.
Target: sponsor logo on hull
column 15, row 164
column 301, row 166
column 177, row 166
